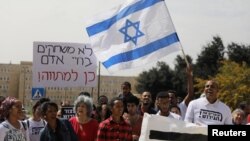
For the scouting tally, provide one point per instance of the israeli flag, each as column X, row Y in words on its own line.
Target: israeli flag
column 133, row 34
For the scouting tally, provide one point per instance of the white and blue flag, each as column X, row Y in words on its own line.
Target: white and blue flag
column 133, row 34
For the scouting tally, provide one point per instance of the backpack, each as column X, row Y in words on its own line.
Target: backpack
column 24, row 125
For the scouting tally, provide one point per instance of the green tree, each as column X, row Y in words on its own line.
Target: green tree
column 208, row 62
column 180, row 76
column 234, row 81
column 239, row 53
column 155, row 80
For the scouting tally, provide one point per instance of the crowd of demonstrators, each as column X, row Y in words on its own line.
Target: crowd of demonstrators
column 209, row 109
column 12, row 128
column 84, row 126
column 120, row 118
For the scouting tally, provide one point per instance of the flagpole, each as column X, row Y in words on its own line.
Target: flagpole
column 184, row 55
column 99, row 78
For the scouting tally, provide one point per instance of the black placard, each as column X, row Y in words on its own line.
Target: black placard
column 67, row 112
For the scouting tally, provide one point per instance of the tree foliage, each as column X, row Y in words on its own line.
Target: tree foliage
column 180, row 76
column 208, row 62
column 239, row 53
column 234, row 81
column 155, row 80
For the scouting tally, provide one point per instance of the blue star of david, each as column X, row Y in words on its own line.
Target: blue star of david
column 133, row 38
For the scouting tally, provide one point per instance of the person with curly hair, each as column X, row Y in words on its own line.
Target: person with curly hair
column 13, row 128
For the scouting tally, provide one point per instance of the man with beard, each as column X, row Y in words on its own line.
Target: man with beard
column 146, row 102
column 209, row 110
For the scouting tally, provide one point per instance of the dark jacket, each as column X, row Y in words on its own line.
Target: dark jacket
column 63, row 132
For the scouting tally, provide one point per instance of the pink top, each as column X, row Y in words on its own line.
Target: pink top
column 86, row 131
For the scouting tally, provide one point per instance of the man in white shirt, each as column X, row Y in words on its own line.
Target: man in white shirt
column 209, row 109
column 163, row 105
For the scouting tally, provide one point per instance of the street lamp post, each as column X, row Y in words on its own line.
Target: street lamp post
column 23, row 85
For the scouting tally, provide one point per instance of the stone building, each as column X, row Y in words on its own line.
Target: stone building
column 16, row 80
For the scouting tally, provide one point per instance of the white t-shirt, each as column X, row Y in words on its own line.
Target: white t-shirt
column 183, row 108
column 201, row 112
column 34, row 128
column 171, row 115
column 10, row 133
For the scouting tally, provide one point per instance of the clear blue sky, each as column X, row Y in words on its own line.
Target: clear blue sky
column 196, row 22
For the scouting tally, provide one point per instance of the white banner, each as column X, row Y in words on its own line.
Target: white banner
column 58, row 64
column 160, row 128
